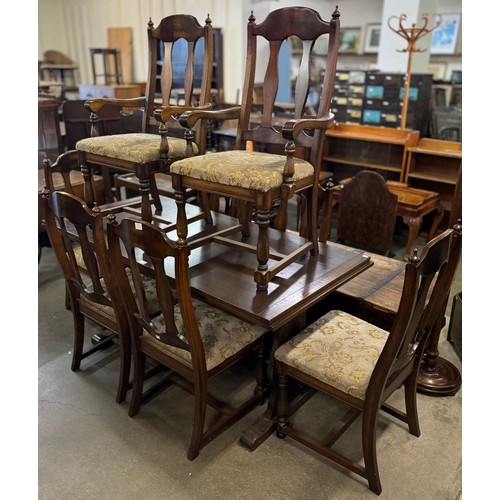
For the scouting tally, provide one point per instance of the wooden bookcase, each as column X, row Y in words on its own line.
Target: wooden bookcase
column 350, row 148
column 434, row 165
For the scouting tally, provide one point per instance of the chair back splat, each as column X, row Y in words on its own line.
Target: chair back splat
column 288, row 146
column 360, row 364
column 190, row 339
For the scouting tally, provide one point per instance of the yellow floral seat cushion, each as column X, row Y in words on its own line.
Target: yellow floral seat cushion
column 137, row 148
column 222, row 334
column 247, row 169
column 338, row 349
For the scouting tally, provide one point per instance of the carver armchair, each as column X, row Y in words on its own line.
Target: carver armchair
column 154, row 148
column 287, row 151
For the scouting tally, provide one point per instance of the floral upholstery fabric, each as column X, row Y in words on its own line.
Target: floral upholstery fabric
column 222, row 334
column 247, row 169
column 338, row 349
column 137, row 148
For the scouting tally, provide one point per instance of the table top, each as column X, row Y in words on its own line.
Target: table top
column 223, row 277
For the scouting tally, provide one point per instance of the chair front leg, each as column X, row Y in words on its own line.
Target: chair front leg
column 142, row 171
column 88, row 191
column 261, row 275
column 180, row 200
column 282, row 401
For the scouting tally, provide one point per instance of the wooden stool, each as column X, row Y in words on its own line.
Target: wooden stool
column 111, row 60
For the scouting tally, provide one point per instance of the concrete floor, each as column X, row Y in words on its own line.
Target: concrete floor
column 89, row 448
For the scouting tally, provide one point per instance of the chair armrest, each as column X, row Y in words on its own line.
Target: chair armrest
column 94, row 105
column 164, row 113
column 292, row 128
column 190, row 118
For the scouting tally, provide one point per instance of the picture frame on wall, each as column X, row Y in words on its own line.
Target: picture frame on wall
column 372, row 38
column 445, row 37
column 349, row 40
column 438, row 70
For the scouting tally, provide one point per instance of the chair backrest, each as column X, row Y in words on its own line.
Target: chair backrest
column 181, row 53
column 56, row 57
column 307, row 27
column 65, row 175
column 76, row 120
column 367, row 213
column 426, row 289
column 77, row 236
column 143, row 244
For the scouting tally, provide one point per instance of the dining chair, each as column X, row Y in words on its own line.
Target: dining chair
column 154, row 147
column 193, row 340
column 77, row 237
column 367, row 213
column 262, row 182
column 362, row 365
column 92, row 291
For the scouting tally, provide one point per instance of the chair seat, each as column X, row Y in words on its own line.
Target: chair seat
column 136, row 148
column 222, row 334
column 246, row 169
column 338, row 349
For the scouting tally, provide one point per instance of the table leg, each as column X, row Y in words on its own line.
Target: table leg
column 263, row 427
column 438, row 217
column 413, row 224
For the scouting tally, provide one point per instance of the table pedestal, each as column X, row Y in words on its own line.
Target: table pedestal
column 437, row 376
column 443, row 380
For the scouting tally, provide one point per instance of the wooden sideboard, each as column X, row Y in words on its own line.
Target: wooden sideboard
column 349, row 148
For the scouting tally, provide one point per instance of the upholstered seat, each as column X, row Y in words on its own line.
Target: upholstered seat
column 251, row 170
column 349, row 366
column 222, row 334
column 136, row 148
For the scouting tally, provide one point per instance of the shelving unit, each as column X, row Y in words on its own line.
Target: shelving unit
column 376, row 98
column 434, row 165
column 350, row 148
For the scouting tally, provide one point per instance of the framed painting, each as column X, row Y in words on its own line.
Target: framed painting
column 349, row 40
column 445, row 36
column 372, row 38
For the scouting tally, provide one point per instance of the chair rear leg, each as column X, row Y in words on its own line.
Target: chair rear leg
column 125, row 364
column 139, row 370
column 410, row 388
column 200, row 411
column 369, row 440
column 79, row 327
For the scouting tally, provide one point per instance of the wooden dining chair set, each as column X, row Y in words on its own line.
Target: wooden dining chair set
column 124, row 272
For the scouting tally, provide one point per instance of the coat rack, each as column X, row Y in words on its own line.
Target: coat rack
column 411, row 35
